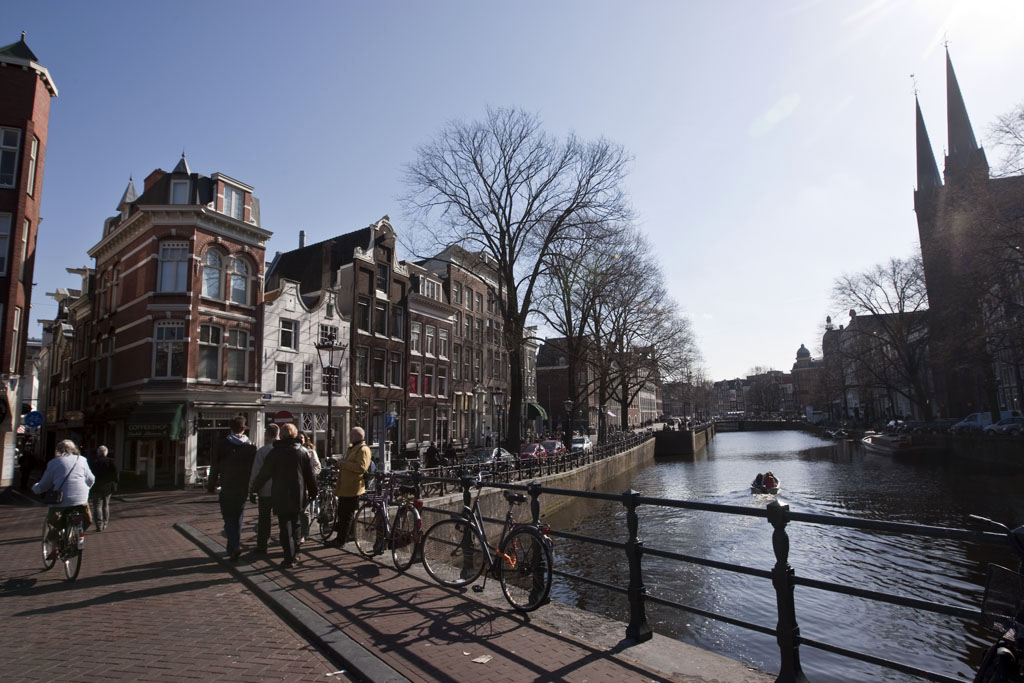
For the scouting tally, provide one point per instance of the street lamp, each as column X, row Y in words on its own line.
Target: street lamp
column 568, row 424
column 325, row 350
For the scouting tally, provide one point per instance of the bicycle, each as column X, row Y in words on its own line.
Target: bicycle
column 68, row 541
column 1003, row 607
column 324, row 508
column 373, row 528
column 455, row 553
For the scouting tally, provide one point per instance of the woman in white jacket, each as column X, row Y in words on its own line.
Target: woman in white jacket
column 68, row 472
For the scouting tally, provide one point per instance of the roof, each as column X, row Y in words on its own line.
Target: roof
column 304, row 265
column 19, row 50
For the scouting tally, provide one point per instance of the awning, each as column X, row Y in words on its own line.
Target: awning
column 536, row 410
column 156, row 421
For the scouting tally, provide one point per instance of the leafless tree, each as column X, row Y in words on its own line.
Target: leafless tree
column 505, row 188
column 765, row 394
column 1007, row 136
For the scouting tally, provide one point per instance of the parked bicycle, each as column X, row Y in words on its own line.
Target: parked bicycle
column 455, row 553
column 67, row 543
column 373, row 529
column 1003, row 608
column 324, row 508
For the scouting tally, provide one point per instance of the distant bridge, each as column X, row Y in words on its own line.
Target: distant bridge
column 759, row 425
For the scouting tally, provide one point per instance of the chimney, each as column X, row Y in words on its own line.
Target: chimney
column 302, row 238
column 153, row 178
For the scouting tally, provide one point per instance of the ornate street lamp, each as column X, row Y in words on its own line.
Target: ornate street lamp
column 326, row 349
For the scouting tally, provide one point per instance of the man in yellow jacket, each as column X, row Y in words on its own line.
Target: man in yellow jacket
column 351, row 483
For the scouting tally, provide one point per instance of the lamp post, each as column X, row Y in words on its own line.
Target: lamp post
column 568, row 425
column 325, row 350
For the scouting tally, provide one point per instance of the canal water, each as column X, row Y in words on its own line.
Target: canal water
column 817, row 476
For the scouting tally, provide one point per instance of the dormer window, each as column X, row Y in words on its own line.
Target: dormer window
column 179, row 192
column 234, row 202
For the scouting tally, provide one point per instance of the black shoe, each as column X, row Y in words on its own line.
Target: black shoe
column 287, row 564
column 235, row 555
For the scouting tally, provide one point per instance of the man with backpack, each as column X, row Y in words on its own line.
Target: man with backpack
column 231, row 468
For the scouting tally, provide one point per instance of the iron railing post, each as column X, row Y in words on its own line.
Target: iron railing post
column 533, row 488
column 416, row 478
column 787, row 632
column 638, row 629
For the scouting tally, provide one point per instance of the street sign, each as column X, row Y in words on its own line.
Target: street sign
column 33, row 419
column 267, row 397
column 283, row 417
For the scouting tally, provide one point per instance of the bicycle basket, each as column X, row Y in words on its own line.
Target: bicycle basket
column 1004, row 596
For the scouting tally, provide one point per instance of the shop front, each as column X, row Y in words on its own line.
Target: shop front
column 155, row 447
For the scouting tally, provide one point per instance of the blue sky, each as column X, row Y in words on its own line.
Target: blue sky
column 772, row 143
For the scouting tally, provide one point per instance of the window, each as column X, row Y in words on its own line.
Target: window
column 209, row 352
column 465, row 365
column 414, row 378
column 363, row 365
column 458, row 323
column 477, row 360
column 284, row 378
column 330, row 379
column 442, row 381
column 395, row 375
column 327, row 333
column 455, row 365
column 430, row 289
column 490, row 364
column 16, row 341
column 428, row 379
column 411, row 425
column 238, row 281
column 10, row 141
column 457, row 294
column 380, row 320
column 289, row 335
column 431, row 333
column 173, row 275
column 234, row 202
column 33, row 151
column 479, row 323
column 414, row 337
column 5, row 239
column 397, row 322
column 490, row 332
column 479, row 302
column 490, row 301
column 169, row 356
column 379, row 366
column 363, row 314
column 383, row 270
column 212, row 271
column 307, row 378
column 238, row 355
column 469, row 327
column 179, row 192
column 469, row 299
column 442, row 343
column 24, row 249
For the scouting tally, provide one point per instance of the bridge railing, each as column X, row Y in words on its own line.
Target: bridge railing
column 783, row 576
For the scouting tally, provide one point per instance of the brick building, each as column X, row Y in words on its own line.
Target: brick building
column 25, row 92
column 176, row 322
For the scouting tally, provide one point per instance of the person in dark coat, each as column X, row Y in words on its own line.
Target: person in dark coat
column 430, row 458
column 27, row 462
column 107, row 478
column 293, row 484
column 231, row 468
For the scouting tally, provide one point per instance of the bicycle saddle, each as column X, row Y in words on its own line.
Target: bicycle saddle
column 515, row 497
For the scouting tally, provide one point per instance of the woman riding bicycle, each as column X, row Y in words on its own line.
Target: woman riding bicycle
column 68, row 472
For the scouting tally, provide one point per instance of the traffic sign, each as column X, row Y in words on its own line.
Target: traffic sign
column 33, row 419
column 267, row 397
column 283, row 417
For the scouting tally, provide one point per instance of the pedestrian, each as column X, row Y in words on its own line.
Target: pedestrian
column 27, row 462
column 69, row 473
column 351, row 483
column 231, row 468
column 290, row 472
column 263, row 500
column 107, row 479
column 306, row 441
column 449, row 453
column 430, row 458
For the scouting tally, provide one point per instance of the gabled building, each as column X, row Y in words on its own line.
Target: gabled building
column 176, row 322
column 25, row 92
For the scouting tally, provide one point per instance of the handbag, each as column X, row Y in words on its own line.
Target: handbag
column 56, row 496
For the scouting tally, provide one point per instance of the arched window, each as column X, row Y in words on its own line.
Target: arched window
column 212, row 274
column 238, row 281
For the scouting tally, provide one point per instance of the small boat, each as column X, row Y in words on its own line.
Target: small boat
column 838, row 434
column 891, row 444
column 761, row 488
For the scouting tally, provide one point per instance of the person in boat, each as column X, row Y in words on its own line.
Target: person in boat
column 759, row 480
column 770, row 481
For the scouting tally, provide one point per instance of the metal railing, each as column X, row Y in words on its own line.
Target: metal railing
column 782, row 575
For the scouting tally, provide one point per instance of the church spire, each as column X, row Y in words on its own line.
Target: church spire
column 927, row 171
column 961, row 135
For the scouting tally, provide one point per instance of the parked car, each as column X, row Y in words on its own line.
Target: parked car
column 582, row 443
column 1012, row 426
column 553, row 447
column 489, row 457
column 534, row 451
column 975, row 422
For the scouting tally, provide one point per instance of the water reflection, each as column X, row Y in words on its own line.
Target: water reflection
column 821, row 477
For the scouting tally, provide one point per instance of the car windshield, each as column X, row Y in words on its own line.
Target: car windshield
column 549, row 444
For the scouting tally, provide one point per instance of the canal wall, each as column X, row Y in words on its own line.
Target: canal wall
column 586, row 478
column 674, row 443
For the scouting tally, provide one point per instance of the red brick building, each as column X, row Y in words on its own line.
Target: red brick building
column 25, row 92
column 177, row 324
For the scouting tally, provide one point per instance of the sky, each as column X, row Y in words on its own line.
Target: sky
column 772, row 144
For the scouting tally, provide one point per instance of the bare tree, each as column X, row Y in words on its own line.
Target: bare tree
column 765, row 394
column 1007, row 136
column 505, row 188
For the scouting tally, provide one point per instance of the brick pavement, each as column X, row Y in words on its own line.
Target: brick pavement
column 148, row 606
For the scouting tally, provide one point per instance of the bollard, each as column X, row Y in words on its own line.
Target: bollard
column 787, row 631
column 533, row 488
column 638, row 629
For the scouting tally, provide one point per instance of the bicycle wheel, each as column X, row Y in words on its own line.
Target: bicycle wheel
column 49, row 548
column 405, row 537
column 71, row 556
column 365, row 528
column 328, row 513
column 525, row 569
column 453, row 552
